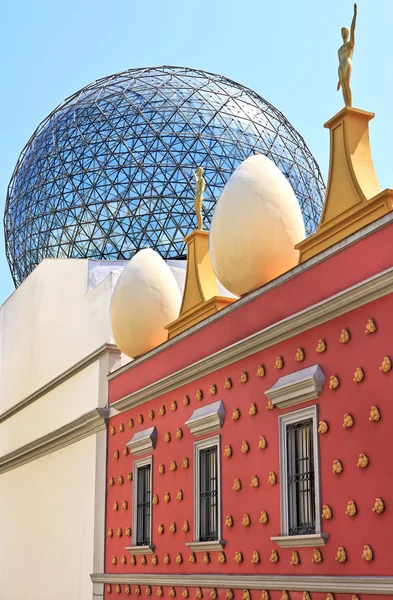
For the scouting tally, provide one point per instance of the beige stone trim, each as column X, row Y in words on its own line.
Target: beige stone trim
column 88, row 424
column 362, row 293
column 297, row 387
column 292, row 583
column 143, row 441
column 351, row 239
column 206, row 546
column 140, row 549
column 300, row 541
column 206, row 419
column 60, row 379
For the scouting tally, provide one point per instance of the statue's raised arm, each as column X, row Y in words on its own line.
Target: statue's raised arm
column 353, row 25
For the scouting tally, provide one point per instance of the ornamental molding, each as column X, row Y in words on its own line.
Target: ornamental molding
column 88, row 424
column 297, row 387
column 140, row 549
column 300, row 541
column 206, row 546
column 362, row 293
column 60, row 379
column 206, row 419
column 143, row 441
column 292, row 583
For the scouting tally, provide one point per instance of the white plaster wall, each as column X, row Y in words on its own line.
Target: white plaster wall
column 48, row 324
column 46, row 524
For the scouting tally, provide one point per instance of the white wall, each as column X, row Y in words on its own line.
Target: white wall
column 47, row 526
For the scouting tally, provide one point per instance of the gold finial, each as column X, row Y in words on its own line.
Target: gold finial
column 200, row 185
column 345, row 53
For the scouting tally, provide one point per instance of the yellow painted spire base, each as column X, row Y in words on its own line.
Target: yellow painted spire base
column 353, row 196
column 201, row 295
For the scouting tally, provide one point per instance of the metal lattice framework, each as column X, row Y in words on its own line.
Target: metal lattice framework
column 108, row 172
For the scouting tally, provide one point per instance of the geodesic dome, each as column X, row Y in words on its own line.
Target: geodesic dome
column 108, row 172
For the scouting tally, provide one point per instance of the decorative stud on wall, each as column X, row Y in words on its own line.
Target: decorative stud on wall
column 386, row 365
column 198, row 593
column 167, row 559
column 118, row 589
column 199, row 395
column 179, row 433
column 160, row 591
column 274, row 556
column 114, row 560
column 367, row 553
column 348, row 421
column 133, row 560
column 213, row 594
column 245, row 447
column 110, row 533
column 111, row 481
column 246, row 521
column 161, row 469
column 272, row 479
column 374, row 415
column 262, row 443
column 321, row 347
column 128, row 531
column 351, row 510
column 238, row 558
column 235, row 414
column 362, row 461
column 334, row 382
column 295, row 558
column 167, row 437
column 123, row 560
column 125, row 451
column 185, row 593
column 160, row 529
column 279, row 363
column 299, row 356
column 306, row 596
column 370, row 327
column 265, row 595
column 253, row 409
column 112, row 430
column 172, row 527
column 228, row 383
column 337, row 467
column 162, row 410
column 173, row 405
column 137, row 590
column 323, row 427
column 228, row 521
column 121, row 427
column 116, row 454
column 255, row 559
column 109, row 588
column 129, row 476
column 172, row 465
column 344, row 336
column 244, row 377
column 316, row 555
column 115, row 506
column 228, row 451
column 124, row 505
column 237, row 486
column 285, row 595
column 151, row 415
column 221, row 558
column 155, row 499
column 246, row 595
column 185, row 462
column 154, row 560
column 179, row 558
column 379, row 506
column 254, row 481
column 186, row 400
column 326, row 512
column 131, row 423
column 120, row 480
column 140, row 419
column 341, row 555
column 148, row 590
column 186, row 526
column 119, row 532
column 358, row 376
column 264, row 518
column 261, row 371
column 127, row 589
column 229, row 594
column 213, row 389
column 206, row 558
column 269, row 405
column 192, row 558
column 179, row 495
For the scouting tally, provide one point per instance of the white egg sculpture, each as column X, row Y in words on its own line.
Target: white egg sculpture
column 146, row 298
column 256, row 223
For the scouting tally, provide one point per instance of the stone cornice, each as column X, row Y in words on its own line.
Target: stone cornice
column 88, row 424
column 56, row 381
column 292, row 583
column 362, row 293
column 347, row 242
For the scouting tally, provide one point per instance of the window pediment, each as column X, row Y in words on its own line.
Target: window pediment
column 297, row 387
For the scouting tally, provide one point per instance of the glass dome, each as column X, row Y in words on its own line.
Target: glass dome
column 108, row 172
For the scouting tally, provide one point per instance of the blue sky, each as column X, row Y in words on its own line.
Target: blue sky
column 286, row 51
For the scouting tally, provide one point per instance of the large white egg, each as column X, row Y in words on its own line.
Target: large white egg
column 146, row 298
column 256, row 223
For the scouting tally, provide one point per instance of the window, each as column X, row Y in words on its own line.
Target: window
column 299, row 472
column 142, row 502
column 207, row 499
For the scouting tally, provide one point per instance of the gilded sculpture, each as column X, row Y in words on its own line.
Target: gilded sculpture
column 245, row 447
column 150, row 415
column 344, row 336
column 137, row 590
column 306, row 596
column 179, row 495
column 379, row 506
column 345, row 54
column 172, row 592
column 162, row 410
column 140, row 419
column 386, row 364
column 133, row 560
column 179, row 558
column 348, row 421
column 154, row 560
column 362, row 461
column 118, row 589
column 269, row 405
column 229, row 594
column 114, row 560
column 367, row 553
column 125, row 451
column 160, row 591
column 198, row 593
column 172, row 465
column 321, row 347
column 185, row 593
column 326, row 512
column 370, row 327
column 111, row 481
column 334, row 382
column 167, row 497
column 167, row 559
column 279, row 363
column 127, row 589
column 285, row 595
column 351, row 509
column 246, row 595
column 124, row 505
column 143, row 559
column 246, row 521
column 148, row 590
column 116, row 454
column 265, row 595
column 213, row 594
column 358, row 375
column 185, row 462
column 299, row 356
column 274, row 556
column 253, row 409
column 374, row 414
column 120, row 480
column 128, row 531
column 200, row 185
column 160, row 529
column 228, row 383
column 261, row 371
column 131, row 423
column 323, row 427
column 109, row 588
column 112, row 430
column 129, row 476
column 110, row 532
column 295, row 558
column 316, row 556
column 172, row 527
column 167, row 437
column 121, row 427
column 244, row 377
column 119, row 532
column 337, row 467
column 254, row 481
column 341, row 555
column 228, row 451
column 155, row 499
column 115, row 506
column 264, row 517
column 161, row 469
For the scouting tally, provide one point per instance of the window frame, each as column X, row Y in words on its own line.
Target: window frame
column 198, row 446
column 143, row 462
column 297, row 416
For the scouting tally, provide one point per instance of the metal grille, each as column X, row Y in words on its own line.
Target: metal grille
column 108, row 172
column 143, row 506
column 301, row 481
column 208, row 494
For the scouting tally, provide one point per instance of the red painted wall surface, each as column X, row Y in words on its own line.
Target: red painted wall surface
column 360, row 485
column 355, row 263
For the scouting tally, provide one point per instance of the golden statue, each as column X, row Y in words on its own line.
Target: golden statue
column 200, row 185
column 345, row 53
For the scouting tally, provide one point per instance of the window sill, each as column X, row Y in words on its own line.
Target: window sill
column 140, row 549
column 298, row 541
column 206, row 546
